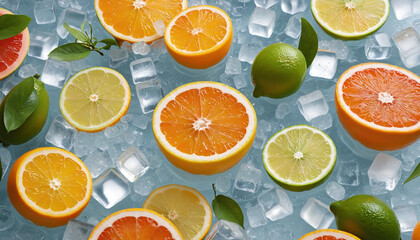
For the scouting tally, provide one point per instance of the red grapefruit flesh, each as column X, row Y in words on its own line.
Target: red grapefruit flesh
column 329, row 234
column 12, row 50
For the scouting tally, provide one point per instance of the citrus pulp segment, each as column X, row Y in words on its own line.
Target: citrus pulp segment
column 199, row 37
column 132, row 20
column 13, row 50
column 135, row 223
column 351, row 19
column 49, row 186
column 299, row 157
column 204, row 127
column 378, row 105
column 185, row 207
column 329, row 234
column 94, row 99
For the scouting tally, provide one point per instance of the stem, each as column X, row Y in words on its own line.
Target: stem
column 37, row 76
column 214, row 189
column 97, row 50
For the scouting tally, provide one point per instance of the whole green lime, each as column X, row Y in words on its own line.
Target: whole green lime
column 278, row 71
column 32, row 125
column 367, row 217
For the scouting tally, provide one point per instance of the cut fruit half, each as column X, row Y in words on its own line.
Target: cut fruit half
column 49, row 186
column 204, row 127
column 13, row 50
column 329, row 234
column 95, row 98
column 351, row 19
column 378, row 105
column 299, row 157
column 199, row 37
column 132, row 20
column 185, row 207
column 135, row 223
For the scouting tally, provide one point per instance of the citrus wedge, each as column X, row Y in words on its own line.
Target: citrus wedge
column 199, row 37
column 135, row 223
column 204, row 127
column 185, row 207
column 13, row 50
column 329, row 234
column 299, row 157
column 49, row 186
column 94, row 99
column 378, row 105
column 132, row 20
column 350, row 19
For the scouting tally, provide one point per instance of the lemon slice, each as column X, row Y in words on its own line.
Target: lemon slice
column 299, row 157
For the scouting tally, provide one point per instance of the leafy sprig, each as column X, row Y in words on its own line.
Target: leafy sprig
column 84, row 44
column 225, row 208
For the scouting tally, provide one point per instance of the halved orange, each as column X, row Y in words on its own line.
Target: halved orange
column 378, row 105
column 329, row 234
column 49, row 186
column 199, row 37
column 135, row 223
column 204, row 127
column 132, row 20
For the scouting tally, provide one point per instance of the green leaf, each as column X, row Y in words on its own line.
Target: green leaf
column 76, row 33
column 414, row 174
column 225, row 208
column 308, row 43
column 109, row 42
column 20, row 104
column 70, row 52
column 12, row 25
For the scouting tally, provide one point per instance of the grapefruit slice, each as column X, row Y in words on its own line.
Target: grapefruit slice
column 204, row 127
column 12, row 50
column 329, row 234
column 135, row 223
column 378, row 105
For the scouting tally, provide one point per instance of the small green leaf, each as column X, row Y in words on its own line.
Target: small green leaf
column 82, row 27
column 70, row 52
column 414, row 174
column 109, row 42
column 225, row 208
column 76, row 33
column 20, row 104
column 308, row 43
column 12, row 25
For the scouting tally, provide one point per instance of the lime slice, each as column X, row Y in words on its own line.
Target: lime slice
column 350, row 19
column 299, row 157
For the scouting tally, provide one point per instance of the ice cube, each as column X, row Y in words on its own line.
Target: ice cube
column 312, row 105
column 41, row 44
column 256, row 216
column 141, row 48
column 27, row 71
column 256, row 233
column 335, row 191
column 407, row 218
column 97, row 163
column 324, row 65
column 7, row 219
column 26, row 231
column 317, row 214
column 44, row 12
column 293, row 27
column 260, row 139
column 282, row 110
column 78, row 65
column 224, row 230
column 133, row 164
column 10, row 83
column 141, row 121
column 261, row 23
column 11, row 5
column 222, row 184
column 248, row 52
column 5, row 159
column 275, row 203
column 248, row 178
column 402, row 8
column 74, row 18
column 408, row 44
column 385, row 171
column 265, row 3
column 240, row 81
column 159, row 26
column 378, row 47
column 55, row 73
column 143, row 70
column 117, row 57
column 146, row 184
column 61, row 134
column 197, row 3
column 348, row 173
column 233, row 66
column 110, row 188
column 293, row 6
column 322, row 122
column 77, row 230
column 409, row 155
column 149, row 94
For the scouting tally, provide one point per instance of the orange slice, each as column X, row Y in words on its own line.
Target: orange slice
column 329, row 234
column 132, row 20
column 49, row 186
column 135, row 223
column 204, row 127
column 199, row 37
column 378, row 105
